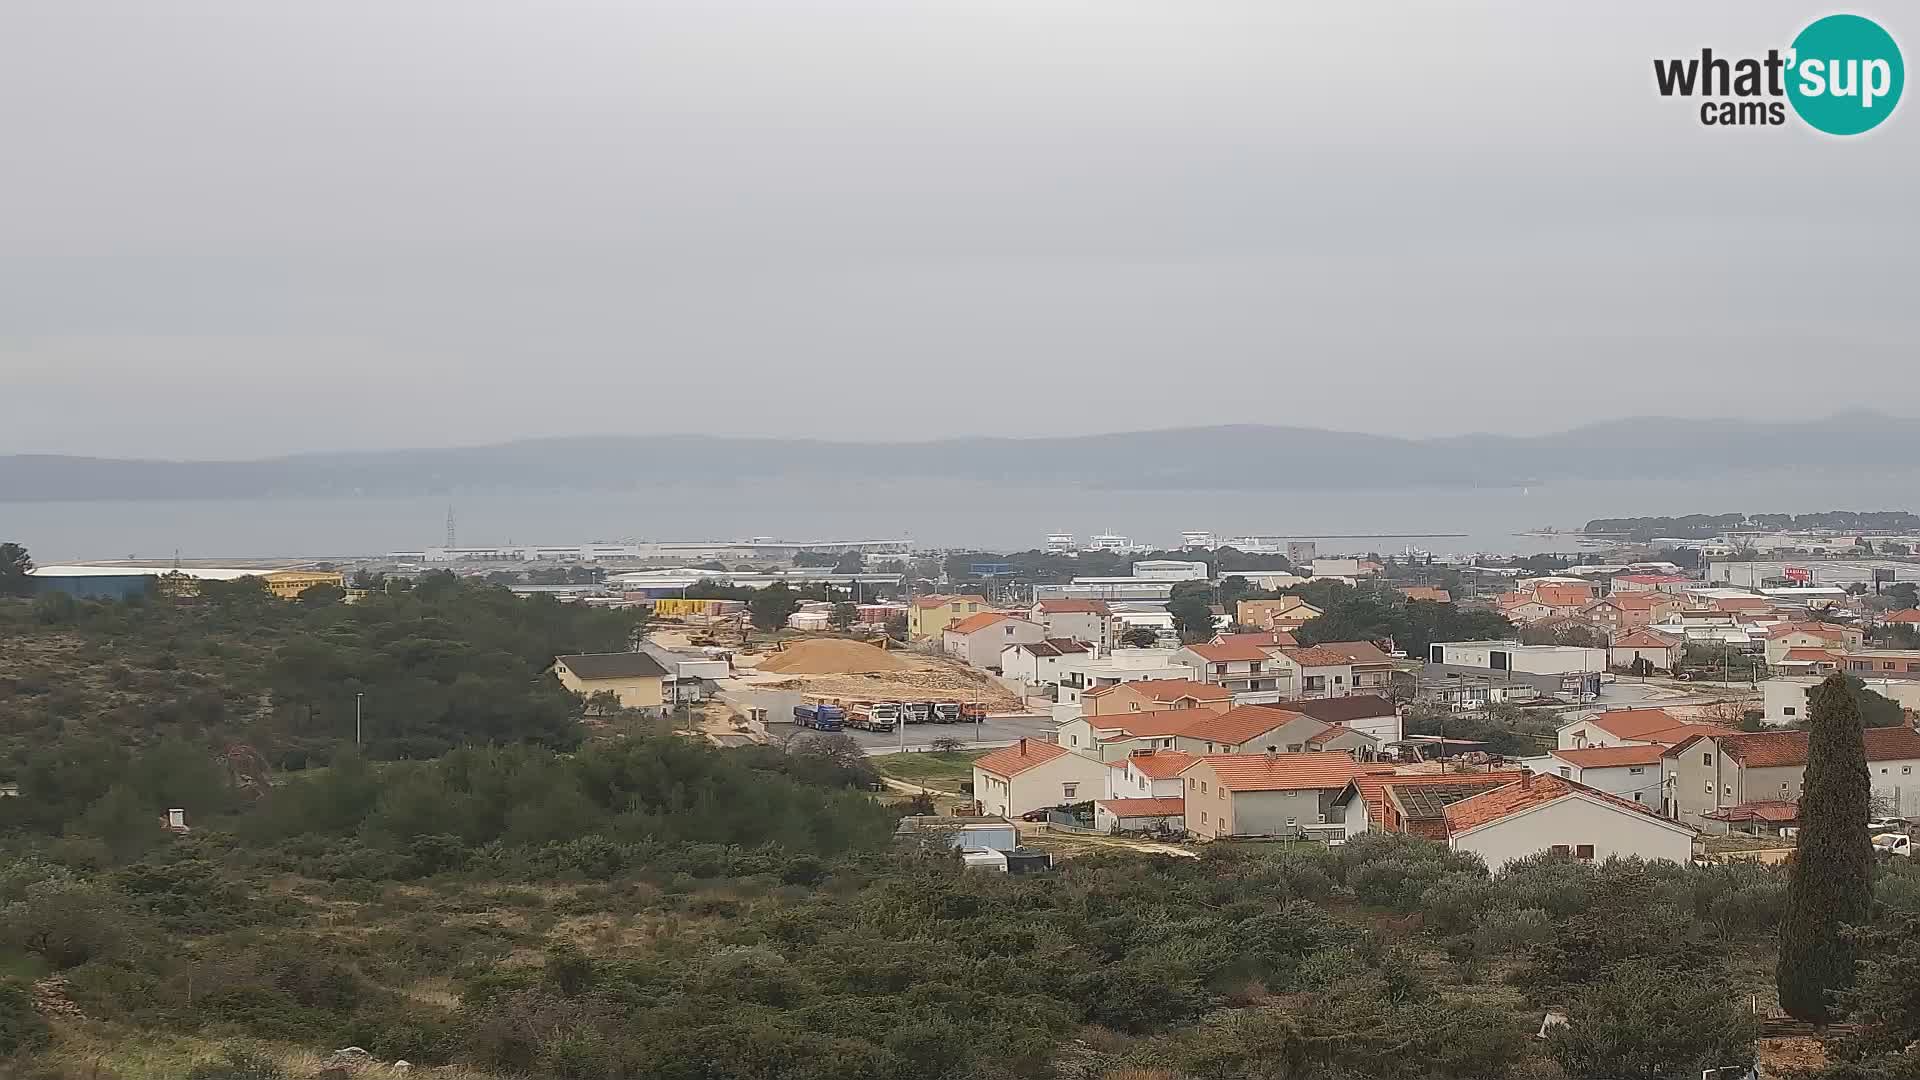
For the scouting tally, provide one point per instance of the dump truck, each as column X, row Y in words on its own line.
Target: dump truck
column 819, row 716
column 917, row 712
column 874, row 716
column 946, row 712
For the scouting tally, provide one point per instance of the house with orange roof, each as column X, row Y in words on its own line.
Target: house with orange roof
column 928, row 616
column 1426, row 593
column 1032, row 774
column 1630, row 727
column 1810, row 662
column 1148, row 695
column 1267, row 794
column 1146, row 774
column 1811, row 635
column 1650, row 583
column 1631, row 610
column 1541, row 814
column 978, row 640
column 1709, row 773
column 1564, row 598
column 1281, row 613
column 1412, row 804
column 1253, row 673
column 1630, row 647
column 1253, row 729
column 1903, row 617
column 1339, row 668
column 1114, row 736
column 1271, row 641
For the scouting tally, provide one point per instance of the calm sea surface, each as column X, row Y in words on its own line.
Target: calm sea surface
column 939, row 514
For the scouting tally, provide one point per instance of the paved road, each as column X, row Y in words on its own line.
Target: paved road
column 997, row 731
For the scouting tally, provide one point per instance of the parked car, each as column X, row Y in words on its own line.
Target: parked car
column 1893, row 843
column 1037, row 815
column 1886, row 824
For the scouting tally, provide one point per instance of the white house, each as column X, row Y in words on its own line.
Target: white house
column 1031, row 774
column 978, row 640
column 1370, row 714
column 1170, row 570
column 1784, row 697
column 1632, row 772
column 1039, row 663
column 1254, row 675
column 1655, row 648
column 1550, row 813
column 1147, row 774
column 1629, row 727
column 1090, row 621
column 1339, row 668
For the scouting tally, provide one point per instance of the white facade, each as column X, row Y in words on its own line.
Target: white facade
column 1513, row 656
column 1634, row 783
column 1170, row 570
column 1338, row 568
column 982, row 647
column 1078, row 674
column 1089, row 626
column 1577, row 822
column 1067, row 778
column 1785, row 697
column 1017, row 663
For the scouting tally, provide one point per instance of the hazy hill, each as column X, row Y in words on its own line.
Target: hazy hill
column 1244, row 457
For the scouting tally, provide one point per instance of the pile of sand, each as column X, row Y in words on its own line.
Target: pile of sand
column 831, row 656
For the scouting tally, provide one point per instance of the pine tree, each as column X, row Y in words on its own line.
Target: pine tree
column 1829, row 885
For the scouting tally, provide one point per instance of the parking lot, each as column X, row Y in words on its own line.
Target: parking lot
column 996, row 731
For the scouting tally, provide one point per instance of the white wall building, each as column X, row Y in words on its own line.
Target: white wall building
column 1169, row 570
column 1549, row 813
column 1631, row 772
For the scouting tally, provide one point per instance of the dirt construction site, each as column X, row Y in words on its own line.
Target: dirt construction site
column 858, row 671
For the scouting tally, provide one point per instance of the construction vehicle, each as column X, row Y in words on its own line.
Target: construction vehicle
column 917, row 712
column 972, row 712
column 874, row 716
column 819, row 716
column 946, row 712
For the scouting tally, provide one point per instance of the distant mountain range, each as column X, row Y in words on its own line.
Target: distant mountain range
column 1240, row 457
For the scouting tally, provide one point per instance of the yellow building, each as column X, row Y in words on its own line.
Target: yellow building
column 636, row 679
column 930, row 615
column 289, row 584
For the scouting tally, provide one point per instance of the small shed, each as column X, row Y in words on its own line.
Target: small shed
column 1140, row 815
column 995, row 861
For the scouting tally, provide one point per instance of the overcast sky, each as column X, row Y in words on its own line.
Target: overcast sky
column 260, row 226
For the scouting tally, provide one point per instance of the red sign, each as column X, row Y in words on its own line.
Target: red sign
column 1798, row 573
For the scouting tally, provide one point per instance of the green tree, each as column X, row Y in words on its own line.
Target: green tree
column 851, row 562
column 772, row 606
column 1138, row 637
column 1829, row 886
column 897, row 627
column 1191, row 606
column 1904, row 593
column 14, row 565
column 843, row 615
column 21, row 1026
column 1644, row 1022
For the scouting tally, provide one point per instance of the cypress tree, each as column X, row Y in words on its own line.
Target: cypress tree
column 1828, row 887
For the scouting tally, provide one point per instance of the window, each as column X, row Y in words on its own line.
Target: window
column 1728, row 792
column 1562, row 849
column 1566, row 772
column 1888, row 666
column 1584, row 852
column 1709, row 787
column 1316, row 682
column 1073, row 740
column 1067, row 790
column 1219, row 669
column 1636, row 770
column 1636, row 797
column 1289, row 823
column 1906, row 770
column 1339, row 679
column 1320, row 819
column 1203, row 787
column 1293, row 794
column 1790, row 710
column 1203, row 817
column 1191, row 782
column 1223, row 794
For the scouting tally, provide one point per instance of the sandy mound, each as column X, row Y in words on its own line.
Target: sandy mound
column 830, row 656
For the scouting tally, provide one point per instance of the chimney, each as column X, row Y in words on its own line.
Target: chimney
column 1526, row 779
column 1273, row 753
column 1023, row 747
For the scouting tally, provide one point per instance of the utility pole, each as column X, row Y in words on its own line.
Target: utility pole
column 356, row 717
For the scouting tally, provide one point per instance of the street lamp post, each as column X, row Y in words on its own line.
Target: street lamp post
column 356, row 717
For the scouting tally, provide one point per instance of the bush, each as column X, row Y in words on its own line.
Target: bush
column 21, row 1026
column 238, row 1065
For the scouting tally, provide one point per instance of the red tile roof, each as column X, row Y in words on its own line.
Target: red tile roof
column 1802, row 652
column 1054, row 647
column 1283, row 772
column 1777, row 749
column 1632, row 723
column 1826, row 630
column 1266, row 639
column 1775, row 813
column 1337, row 654
column 1606, row 757
column 1235, row 726
column 1563, row 595
column 1644, row 638
column 1426, row 592
column 1229, row 652
column 1344, row 710
column 975, row 623
column 1906, row 615
column 1159, row 764
column 1070, row 607
column 1146, row 725
column 1527, row 793
column 1171, row 806
column 1167, row 690
column 1011, row 761
column 1649, row 600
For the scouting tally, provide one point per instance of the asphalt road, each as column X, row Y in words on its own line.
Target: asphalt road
column 997, row 731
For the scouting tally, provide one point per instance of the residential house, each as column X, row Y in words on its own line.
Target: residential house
column 1903, row 617
column 1784, row 697
column 1087, row 672
column 929, row 616
column 1031, row 774
column 637, row 680
column 1282, row 613
column 1565, row 598
column 1039, row 663
column 1657, row 649
column 1633, row 771
column 1630, row 727
column 1882, row 663
column 978, row 640
column 1815, row 662
column 1253, row 729
column 1811, row 635
column 1147, row 774
column 1710, row 773
column 1140, row 815
column 1725, row 600
column 1411, row 804
column 1373, row 715
column 1252, row 673
column 1537, row 814
column 1631, row 610
column 1265, row 794
column 1338, row 668
column 1271, row 641
column 1115, row 736
column 1090, row 621
column 1147, row 695
column 1523, row 609
column 1426, row 592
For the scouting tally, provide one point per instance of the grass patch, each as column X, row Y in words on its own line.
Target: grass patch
column 934, row 770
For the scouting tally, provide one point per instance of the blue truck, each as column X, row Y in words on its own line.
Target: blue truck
column 820, row 717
